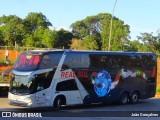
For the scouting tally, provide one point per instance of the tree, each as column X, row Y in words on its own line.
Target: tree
column 50, row 38
column 88, row 26
column 76, row 44
column 1, row 38
column 64, row 39
column 37, row 33
column 42, row 38
column 158, row 42
column 99, row 26
column 89, row 43
column 28, row 41
column 136, row 46
column 151, row 41
column 79, row 29
column 35, row 21
column 12, row 29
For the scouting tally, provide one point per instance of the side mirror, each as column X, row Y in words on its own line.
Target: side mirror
column 5, row 71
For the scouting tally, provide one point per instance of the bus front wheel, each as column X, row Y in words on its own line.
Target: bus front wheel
column 58, row 103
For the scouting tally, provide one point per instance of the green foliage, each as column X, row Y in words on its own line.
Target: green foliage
column 12, row 29
column 49, row 38
column 137, row 46
column 37, row 33
column 2, row 61
column 64, row 39
column 99, row 27
column 35, row 21
column 32, row 31
column 1, row 38
column 28, row 41
column 4, row 80
column 37, row 37
column 150, row 41
column 89, row 43
column 91, row 33
column 76, row 44
column 158, row 89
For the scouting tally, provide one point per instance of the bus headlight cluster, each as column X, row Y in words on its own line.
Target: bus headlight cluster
column 28, row 100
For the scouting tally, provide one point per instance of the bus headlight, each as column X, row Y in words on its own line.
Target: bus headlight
column 28, row 100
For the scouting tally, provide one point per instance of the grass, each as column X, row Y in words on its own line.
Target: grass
column 158, row 89
column 2, row 61
column 4, row 80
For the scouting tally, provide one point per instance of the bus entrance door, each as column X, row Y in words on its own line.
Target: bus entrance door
column 75, row 97
column 74, row 93
column 40, row 99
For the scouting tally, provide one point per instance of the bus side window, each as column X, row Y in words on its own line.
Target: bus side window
column 50, row 60
column 40, row 86
column 85, row 62
column 94, row 61
column 42, row 81
column 72, row 61
column 67, row 85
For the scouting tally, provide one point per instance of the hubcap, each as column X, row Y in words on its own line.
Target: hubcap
column 134, row 98
column 124, row 99
column 59, row 103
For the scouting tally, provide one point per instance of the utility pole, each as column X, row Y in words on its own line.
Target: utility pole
column 110, row 34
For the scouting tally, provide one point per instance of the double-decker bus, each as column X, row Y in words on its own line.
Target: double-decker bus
column 66, row 77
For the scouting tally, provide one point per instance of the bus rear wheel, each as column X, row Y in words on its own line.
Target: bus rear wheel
column 134, row 97
column 124, row 98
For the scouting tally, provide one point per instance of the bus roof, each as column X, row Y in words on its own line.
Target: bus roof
column 87, row 52
column 42, row 51
column 110, row 52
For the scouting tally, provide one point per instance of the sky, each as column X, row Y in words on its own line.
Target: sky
column 140, row 15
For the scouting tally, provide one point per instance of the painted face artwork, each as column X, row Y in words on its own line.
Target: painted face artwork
column 102, row 82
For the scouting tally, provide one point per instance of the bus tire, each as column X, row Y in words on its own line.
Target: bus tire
column 58, row 103
column 134, row 97
column 124, row 98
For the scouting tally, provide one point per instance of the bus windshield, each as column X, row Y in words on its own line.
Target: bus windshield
column 27, row 62
column 20, row 85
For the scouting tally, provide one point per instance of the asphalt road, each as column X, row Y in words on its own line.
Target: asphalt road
column 96, row 111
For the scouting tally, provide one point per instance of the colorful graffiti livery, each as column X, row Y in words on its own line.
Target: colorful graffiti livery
column 101, row 82
column 130, row 73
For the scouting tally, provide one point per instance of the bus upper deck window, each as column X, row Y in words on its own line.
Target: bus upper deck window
column 34, row 60
column 27, row 62
column 22, row 60
column 46, row 62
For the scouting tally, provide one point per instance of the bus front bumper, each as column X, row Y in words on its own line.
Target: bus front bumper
column 19, row 103
column 23, row 101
